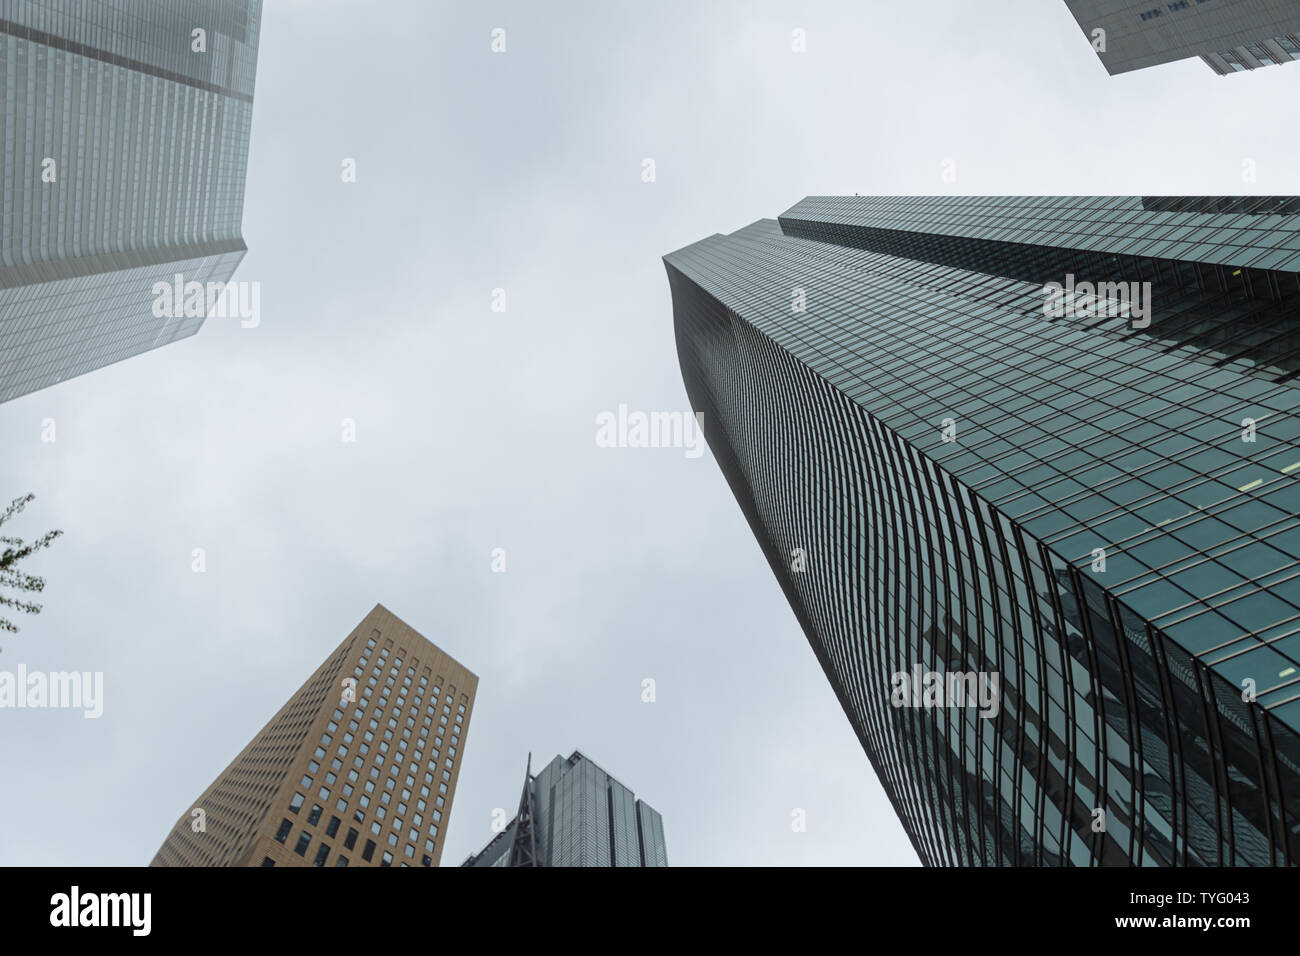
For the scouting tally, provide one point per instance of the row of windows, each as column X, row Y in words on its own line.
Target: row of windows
column 394, row 841
column 813, row 425
column 397, row 818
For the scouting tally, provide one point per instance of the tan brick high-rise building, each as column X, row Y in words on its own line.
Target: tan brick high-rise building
column 358, row 769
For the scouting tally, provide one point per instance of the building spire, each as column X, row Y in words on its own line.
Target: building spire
column 524, row 851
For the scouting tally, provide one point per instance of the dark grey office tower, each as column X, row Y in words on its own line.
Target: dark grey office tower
column 573, row 813
column 1028, row 471
column 123, row 152
column 1231, row 36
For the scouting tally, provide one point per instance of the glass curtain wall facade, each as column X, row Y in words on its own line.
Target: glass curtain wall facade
column 579, row 816
column 933, row 464
column 1230, row 36
column 123, row 156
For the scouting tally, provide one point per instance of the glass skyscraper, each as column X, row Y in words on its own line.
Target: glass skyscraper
column 573, row 813
column 1230, row 36
column 123, row 153
column 1044, row 448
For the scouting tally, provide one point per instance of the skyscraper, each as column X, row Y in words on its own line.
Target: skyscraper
column 1231, row 36
column 123, row 152
column 573, row 813
column 1027, row 471
column 359, row 768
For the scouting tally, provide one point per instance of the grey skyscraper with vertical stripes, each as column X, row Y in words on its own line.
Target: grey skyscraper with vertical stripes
column 572, row 813
column 123, row 153
column 1230, row 36
column 1028, row 470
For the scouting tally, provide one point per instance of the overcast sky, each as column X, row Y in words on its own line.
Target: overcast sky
column 476, row 429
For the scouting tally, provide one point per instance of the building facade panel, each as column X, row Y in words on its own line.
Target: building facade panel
column 359, row 768
column 123, row 159
column 931, row 464
column 1230, row 36
column 581, row 816
column 650, row 829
